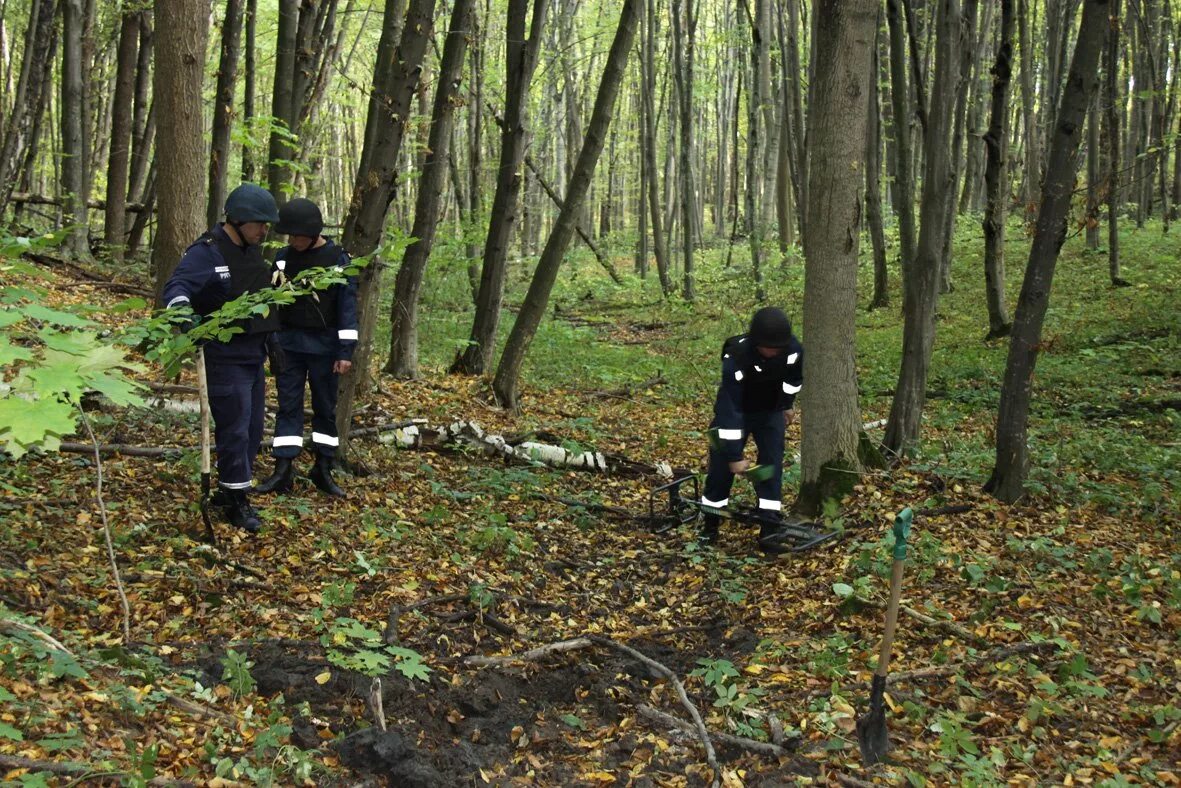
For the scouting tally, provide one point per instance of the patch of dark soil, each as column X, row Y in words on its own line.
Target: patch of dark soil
column 390, row 754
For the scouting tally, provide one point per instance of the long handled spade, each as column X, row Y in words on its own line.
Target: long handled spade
column 871, row 728
column 203, row 389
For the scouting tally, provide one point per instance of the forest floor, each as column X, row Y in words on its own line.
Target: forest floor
column 1041, row 642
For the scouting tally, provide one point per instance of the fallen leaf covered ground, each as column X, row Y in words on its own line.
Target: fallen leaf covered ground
column 1039, row 644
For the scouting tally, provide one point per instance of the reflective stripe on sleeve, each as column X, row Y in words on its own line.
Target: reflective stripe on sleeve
column 177, row 300
column 790, row 389
column 347, row 333
column 738, row 375
column 793, row 358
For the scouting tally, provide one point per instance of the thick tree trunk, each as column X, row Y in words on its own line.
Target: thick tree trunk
column 520, row 63
column 29, row 98
column 792, row 56
column 74, row 142
column 900, row 100
column 403, row 360
column 506, row 382
column 143, row 117
column 282, row 99
column 119, row 159
column 1012, row 452
column 873, row 188
column 921, row 277
column 223, row 110
column 844, row 35
column 753, row 193
column 395, row 78
column 996, row 178
column 180, row 66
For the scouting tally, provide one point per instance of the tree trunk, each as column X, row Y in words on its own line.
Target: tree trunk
column 792, row 56
column 506, row 382
column 996, row 179
column 649, row 76
column 521, row 60
column 249, row 79
column 223, row 110
column 180, row 66
column 754, row 158
column 900, row 100
column 282, row 150
column 1112, row 102
column 143, row 117
column 1092, row 215
column 119, row 159
column 1012, row 454
column 74, row 142
column 844, row 35
column 873, row 188
column 29, row 99
column 1031, row 182
column 683, row 31
column 395, row 78
column 966, row 44
column 921, row 276
column 403, row 360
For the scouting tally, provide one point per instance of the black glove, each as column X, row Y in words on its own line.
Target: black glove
column 275, row 355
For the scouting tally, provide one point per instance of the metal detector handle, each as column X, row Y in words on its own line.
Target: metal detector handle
column 203, row 391
column 901, row 530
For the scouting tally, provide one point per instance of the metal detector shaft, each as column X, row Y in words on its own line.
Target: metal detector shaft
column 203, row 391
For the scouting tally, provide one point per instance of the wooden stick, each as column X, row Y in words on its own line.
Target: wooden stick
column 759, row 747
column 533, row 655
column 49, row 640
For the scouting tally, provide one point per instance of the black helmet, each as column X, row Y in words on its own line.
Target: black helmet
column 770, row 328
column 250, row 203
column 300, row 217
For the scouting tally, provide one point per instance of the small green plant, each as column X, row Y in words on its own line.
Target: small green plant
column 236, row 673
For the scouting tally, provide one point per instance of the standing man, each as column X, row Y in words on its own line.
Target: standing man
column 762, row 371
column 223, row 264
column 319, row 332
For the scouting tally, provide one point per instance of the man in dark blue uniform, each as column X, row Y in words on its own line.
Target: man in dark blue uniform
column 222, row 265
column 762, row 371
column 319, row 332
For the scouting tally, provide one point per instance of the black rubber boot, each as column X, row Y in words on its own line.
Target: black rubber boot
column 281, row 480
column 772, row 540
column 708, row 535
column 321, row 476
column 240, row 513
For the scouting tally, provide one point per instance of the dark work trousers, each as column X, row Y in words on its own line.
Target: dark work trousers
column 314, row 370
column 767, row 428
column 237, row 402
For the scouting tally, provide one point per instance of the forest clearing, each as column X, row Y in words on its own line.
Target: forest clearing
column 513, row 251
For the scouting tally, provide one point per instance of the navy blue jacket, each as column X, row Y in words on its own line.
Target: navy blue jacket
column 338, row 335
column 753, row 385
column 202, row 280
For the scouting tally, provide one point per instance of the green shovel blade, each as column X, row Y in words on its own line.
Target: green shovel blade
column 759, row 473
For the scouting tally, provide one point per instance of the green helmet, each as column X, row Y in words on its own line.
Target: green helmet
column 250, row 203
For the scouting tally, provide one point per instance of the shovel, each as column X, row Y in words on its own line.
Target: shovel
column 871, row 728
column 203, row 389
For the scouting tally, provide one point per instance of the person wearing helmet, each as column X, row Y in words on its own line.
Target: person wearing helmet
column 318, row 335
column 762, row 372
column 223, row 264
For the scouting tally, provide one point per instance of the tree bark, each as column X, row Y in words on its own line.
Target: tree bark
column 29, row 98
column 223, row 110
column 395, row 78
column 521, row 60
column 1031, row 182
column 74, row 142
column 248, row 82
column 753, row 193
column 282, row 97
column 921, row 277
column 1012, row 454
column 873, row 187
column 119, row 159
column 996, row 178
column 1112, row 100
column 900, row 100
column 966, row 49
column 844, row 34
column 180, row 66
column 648, row 98
column 506, row 382
column 683, row 33
column 143, row 117
column 403, row 360
column 1092, row 214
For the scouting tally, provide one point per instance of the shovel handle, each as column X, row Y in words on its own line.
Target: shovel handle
column 891, row 618
column 203, row 392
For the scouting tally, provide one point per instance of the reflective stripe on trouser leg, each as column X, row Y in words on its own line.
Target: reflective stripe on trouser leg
column 289, row 419
column 323, row 383
column 768, row 432
column 237, row 405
